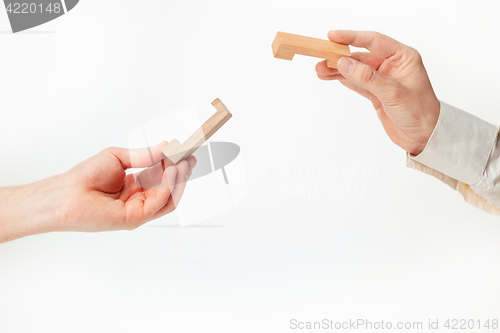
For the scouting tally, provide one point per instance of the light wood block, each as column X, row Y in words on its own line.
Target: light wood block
column 286, row 45
column 171, row 150
column 172, row 146
column 176, row 152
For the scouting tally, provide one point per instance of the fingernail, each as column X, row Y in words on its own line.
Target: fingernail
column 345, row 65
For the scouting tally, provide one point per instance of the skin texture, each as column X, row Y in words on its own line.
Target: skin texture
column 393, row 77
column 96, row 195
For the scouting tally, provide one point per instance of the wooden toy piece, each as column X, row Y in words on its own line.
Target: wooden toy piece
column 286, row 45
column 170, row 149
column 176, row 152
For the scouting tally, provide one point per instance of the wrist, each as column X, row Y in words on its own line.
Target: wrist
column 428, row 124
column 12, row 217
column 27, row 210
column 419, row 148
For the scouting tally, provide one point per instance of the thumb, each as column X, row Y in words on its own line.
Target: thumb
column 365, row 77
column 138, row 158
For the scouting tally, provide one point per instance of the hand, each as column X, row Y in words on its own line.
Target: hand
column 394, row 79
column 97, row 195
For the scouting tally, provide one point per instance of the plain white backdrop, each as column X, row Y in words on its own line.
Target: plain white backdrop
column 371, row 239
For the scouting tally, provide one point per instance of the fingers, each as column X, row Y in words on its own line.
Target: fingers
column 330, row 77
column 323, row 70
column 151, row 177
column 141, row 206
column 179, row 188
column 183, row 172
column 326, row 73
column 367, row 78
column 360, row 74
column 363, row 92
column 153, row 192
column 129, row 188
column 138, row 158
column 368, row 58
column 157, row 198
column 380, row 45
column 192, row 163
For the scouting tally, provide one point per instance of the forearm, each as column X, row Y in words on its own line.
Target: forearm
column 26, row 210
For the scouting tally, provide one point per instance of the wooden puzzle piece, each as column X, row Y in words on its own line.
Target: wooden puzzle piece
column 176, row 152
column 286, row 45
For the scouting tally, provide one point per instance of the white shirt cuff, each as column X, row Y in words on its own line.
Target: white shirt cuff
column 459, row 146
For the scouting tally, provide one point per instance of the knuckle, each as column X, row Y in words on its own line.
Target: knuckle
column 133, row 224
column 377, row 35
column 414, row 54
column 366, row 74
column 131, row 220
column 109, row 149
column 132, row 227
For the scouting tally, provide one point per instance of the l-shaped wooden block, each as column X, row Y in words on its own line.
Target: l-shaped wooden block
column 286, row 45
column 176, row 152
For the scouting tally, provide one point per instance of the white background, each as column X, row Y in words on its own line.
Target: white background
column 406, row 247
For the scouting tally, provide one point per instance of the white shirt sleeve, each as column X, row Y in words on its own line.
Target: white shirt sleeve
column 464, row 152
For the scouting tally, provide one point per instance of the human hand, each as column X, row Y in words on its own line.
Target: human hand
column 392, row 76
column 97, row 195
